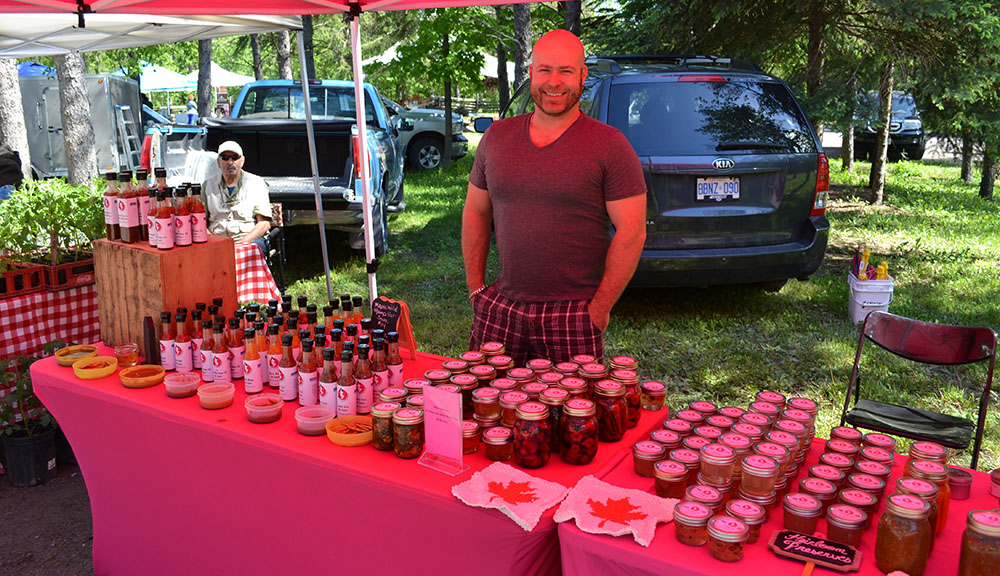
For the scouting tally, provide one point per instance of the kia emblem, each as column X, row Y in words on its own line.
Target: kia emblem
column 723, row 164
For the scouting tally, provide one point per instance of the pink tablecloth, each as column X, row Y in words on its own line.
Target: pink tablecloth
column 176, row 489
column 29, row 322
column 588, row 554
column 253, row 277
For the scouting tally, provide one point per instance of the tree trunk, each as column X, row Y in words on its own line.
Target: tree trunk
column 522, row 42
column 446, row 151
column 258, row 66
column 816, row 56
column 503, row 83
column 847, row 137
column 12, row 129
column 283, row 45
column 990, row 168
column 307, row 45
column 78, row 132
column 571, row 10
column 876, row 180
column 204, row 78
column 968, row 154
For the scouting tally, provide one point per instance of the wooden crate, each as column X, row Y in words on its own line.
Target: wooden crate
column 135, row 281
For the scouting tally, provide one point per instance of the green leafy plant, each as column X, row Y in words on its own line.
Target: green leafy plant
column 21, row 411
column 52, row 214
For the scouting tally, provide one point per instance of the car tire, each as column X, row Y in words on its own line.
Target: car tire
column 426, row 153
column 915, row 153
column 771, row 285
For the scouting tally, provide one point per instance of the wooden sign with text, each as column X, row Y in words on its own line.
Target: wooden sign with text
column 394, row 316
column 819, row 551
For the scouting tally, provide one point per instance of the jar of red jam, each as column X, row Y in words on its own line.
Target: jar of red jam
column 846, row 433
column 876, row 469
column 415, row 401
column 757, row 419
column 695, row 442
column 576, row 387
column 980, row 543
column 717, row 462
column 415, row 386
column 871, row 484
column 486, row 423
column 832, row 475
column 765, row 502
column 532, row 435
column 437, row 376
column 904, row 535
column 539, row 365
column 690, row 459
column 936, row 472
column 633, row 396
column 467, row 384
column 738, row 442
column 593, row 373
column 485, row 373
column 719, row 421
column 504, row 385
column 492, row 348
column 796, row 429
column 822, row 490
column 408, row 432
column 624, row 363
column 501, row 363
column 806, row 404
column 654, row 395
column 779, row 453
column 499, row 443
column 682, row 427
column 802, row 512
column 645, row 453
column 766, row 408
column 534, row 389
column 690, row 522
column 550, row 378
column 578, row 431
column 472, row 357
column 727, row 537
column 775, row 398
column 393, row 395
column 801, row 416
column 726, row 489
column 668, row 438
column 876, row 454
column 861, row 500
column 554, row 398
column 710, row 433
column 694, row 417
column 705, row 407
column 521, row 375
column 470, row 437
column 837, row 460
column 581, row 359
column 732, row 412
column 845, row 524
column 455, row 366
column 612, row 412
column 923, row 489
column 706, row 495
column 486, row 402
column 567, row 368
column 750, row 513
column 670, row 479
column 758, row 474
column 754, row 433
column 960, row 483
column 509, row 401
column 927, row 451
column 382, row 425
column 878, row 440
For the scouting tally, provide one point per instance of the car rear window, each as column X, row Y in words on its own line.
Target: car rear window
column 287, row 103
column 694, row 118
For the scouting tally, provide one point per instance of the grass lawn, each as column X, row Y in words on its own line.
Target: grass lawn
column 942, row 243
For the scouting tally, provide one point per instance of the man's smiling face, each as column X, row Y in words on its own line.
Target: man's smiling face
column 557, row 73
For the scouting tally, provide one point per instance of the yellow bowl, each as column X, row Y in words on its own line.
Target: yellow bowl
column 142, row 376
column 96, row 367
column 336, row 430
column 71, row 354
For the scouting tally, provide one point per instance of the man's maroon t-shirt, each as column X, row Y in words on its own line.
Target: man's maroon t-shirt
column 552, row 227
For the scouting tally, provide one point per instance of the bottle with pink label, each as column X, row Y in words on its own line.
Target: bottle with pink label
column 288, row 371
column 308, row 375
column 182, row 218
column 128, row 209
column 207, row 366
column 347, row 387
column 199, row 220
column 394, row 361
column 364, row 377
column 183, row 361
column 328, row 380
column 166, row 342
column 110, row 201
column 220, row 355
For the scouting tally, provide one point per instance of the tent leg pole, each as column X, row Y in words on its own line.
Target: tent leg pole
column 362, row 151
column 315, row 169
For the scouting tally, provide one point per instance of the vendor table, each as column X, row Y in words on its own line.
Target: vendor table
column 253, row 278
column 29, row 322
column 176, row 489
column 584, row 553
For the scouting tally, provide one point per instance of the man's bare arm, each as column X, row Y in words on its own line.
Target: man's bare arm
column 476, row 219
column 629, row 219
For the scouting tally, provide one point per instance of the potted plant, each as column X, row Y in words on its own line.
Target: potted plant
column 27, row 430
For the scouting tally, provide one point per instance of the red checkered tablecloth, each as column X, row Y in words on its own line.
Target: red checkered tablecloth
column 29, row 322
column 253, row 278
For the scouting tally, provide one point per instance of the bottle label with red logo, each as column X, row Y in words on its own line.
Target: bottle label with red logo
column 347, row 400
column 182, row 230
column 128, row 212
column 110, row 210
column 199, row 230
column 167, row 354
column 328, row 394
column 221, row 367
column 144, row 211
column 153, row 236
column 236, row 361
column 273, row 373
column 165, row 233
column 288, row 382
column 183, row 361
column 207, row 367
column 308, row 388
column 196, row 353
column 364, row 395
column 395, row 375
column 380, row 381
column 252, row 382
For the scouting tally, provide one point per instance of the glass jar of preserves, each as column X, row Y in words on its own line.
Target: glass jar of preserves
column 845, row 524
column 726, row 489
column 592, row 373
column 936, row 472
column 470, row 437
column 787, row 440
column 554, row 398
column 415, row 386
column 732, row 412
column 550, row 378
column 567, row 368
column 485, row 373
column 504, row 385
column 766, row 408
column 960, row 483
column 472, row 357
column 695, row 442
column 492, row 348
column 861, row 500
column 719, row 421
column 904, row 535
column 846, row 433
column 509, row 402
column 717, row 462
column 415, row 401
column 624, row 363
column 765, row 502
column 927, row 451
column 408, row 432
column 486, row 402
column 393, row 395
column 705, row 407
column 501, row 363
column 693, row 417
column 382, row 425
column 437, row 376
column 654, row 395
column 577, row 387
column 450, row 388
column 806, row 404
column 837, row 460
column 668, row 438
column 758, row 474
column 706, row 495
column 612, row 412
column 759, row 420
column 486, row 423
column 822, row 490
column 754, row 433
column 871, row 484
column 727, row 537
column 883, row 441
column 750, row 513
column 832, row 475
column 925, row 490
column 670, row 479
column 645, row 453
column 539, row 365
column 802, row 512
column 521, row 375
column 467, row 384
column 690, row 459
column 532, row 435
column 980, row 543
column 682, row 427
column 781, row 487
column 533, row 389
column 455, row 366
column 581, row 359
column 691, row 521
column 710, row 433
column 633, row 404
column 876, row 469
column 796, row 429
column 776, row 398
column 876, row 454
column 778, row 452
column 499, row 444
column 740, row 443
column 801, row 416
column 578, row 431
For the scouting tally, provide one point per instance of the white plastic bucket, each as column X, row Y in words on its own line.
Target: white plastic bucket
column 867, row 296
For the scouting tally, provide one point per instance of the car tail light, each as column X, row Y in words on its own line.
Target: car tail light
column 822, row 193
column 701, row 78
column 356, row 140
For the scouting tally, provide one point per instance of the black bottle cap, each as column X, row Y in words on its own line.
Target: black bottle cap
column 335, row 304
column 239, row 313
column 286, row 339
column 366, row 324
column 329, row 353
column 378, row 333
column 111, row 176
column 286, row 298
column 346, row 305
column 345, row 298
column 271, row 311
column 273, row 329
column 320, row 329
column 125, row 176
column 352, row 329
column 336, row 334
column 392, row 337
column 311, row 317
column 217, row 302
column 160, row 171
column 142, row 174
column 302, row 300
column 206, row 324
column 357, row 301
column 255, row 308
column 338, row 324
column 248, row 333
column 320, row 340
column 182, row 310
column 293, row 323
column 259, row 326
column 327, row 310
column 220, row 320
column 180, row 318
column 363, row 351
column 346, row 356
column 303, row 334
column 200, row 306
column 273, row 302
column 349, row 345
column 217, row 329
column 307, row 345
column 279, row 319
column 196, row 189
column 251, row 317
column 165, row 316
column 378, row 343
column 234, row 323
column 213, row 310
column 196, row 315
column 364, row 340
column 293, row 314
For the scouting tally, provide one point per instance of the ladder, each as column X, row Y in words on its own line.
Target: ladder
column 130, row 152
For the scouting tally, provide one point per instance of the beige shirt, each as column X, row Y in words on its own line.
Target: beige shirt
column 235, row 215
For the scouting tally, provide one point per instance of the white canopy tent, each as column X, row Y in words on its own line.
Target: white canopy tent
column 222, row 77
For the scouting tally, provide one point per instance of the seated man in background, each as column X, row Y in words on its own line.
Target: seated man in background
column 237, row 201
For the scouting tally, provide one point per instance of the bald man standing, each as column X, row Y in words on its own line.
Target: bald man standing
column 553, row 183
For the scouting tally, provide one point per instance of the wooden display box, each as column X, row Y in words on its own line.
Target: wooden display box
column 135, row 281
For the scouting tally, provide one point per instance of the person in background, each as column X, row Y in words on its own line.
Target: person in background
column 10, row 171
column 191, row 110
column 237, row 201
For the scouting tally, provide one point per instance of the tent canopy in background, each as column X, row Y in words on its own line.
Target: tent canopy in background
column 153, row 78
column 35, row 69
column 236, row 6
column 221, row 77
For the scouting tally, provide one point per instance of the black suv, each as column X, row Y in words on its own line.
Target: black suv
column 906, row 131
column 736, row 179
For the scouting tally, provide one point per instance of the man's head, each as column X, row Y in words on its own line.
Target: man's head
column 231, row 161
column 557, row 73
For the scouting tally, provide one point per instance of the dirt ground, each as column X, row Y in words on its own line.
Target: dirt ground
column 46, row 530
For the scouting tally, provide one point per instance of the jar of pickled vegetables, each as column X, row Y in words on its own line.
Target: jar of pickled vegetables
column 499, row 443
column 758, row 474
column 845, row 524
column 802, row 512
column 654, row 395
column 719, row 421
column 705, row 407
column 645, row 453
column 750, row 513
column 691, row 521
column 925, row 490
column 509, row 402
column 612, row 411
column 408, row 432
column 670, row 479
column 532, row 435
column 415, row 386
column 382, row 425
column 822, row 490
column 936, row 472
column 668, row 438
column 470, row 437
column 554, row 398
column 393, row 395
column 832, row 475
column 690, row 459
column 861, row 500
column 624, row 363
column 578, row 431
column 707, row 495
column 904, row 535
column 633, row 404
column 592, row 373
column 577, row 387
column 486, row 402
column 727, row 538
column 980, row 543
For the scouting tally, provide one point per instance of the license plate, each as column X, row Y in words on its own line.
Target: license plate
column 718, row 189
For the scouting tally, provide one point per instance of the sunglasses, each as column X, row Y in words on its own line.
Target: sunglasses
column 228, row 157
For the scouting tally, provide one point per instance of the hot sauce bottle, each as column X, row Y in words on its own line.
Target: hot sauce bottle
column 182, row 219
column 338, row 347
column 220, row 355
column 328, row 314
column 364, row 378
column 351, row 333
column 393, row 361
column 196, row 339
column 286, row 304
column 183, row 360
column 303, row 302
column 252, row 382
column 142, row 195
column 347, row 311
column 319, row 342
column 328, row 380
column 166, row 342
column 293, row 329
column 380, row 370
column 273, row 356
column 164, row 220
column 311, row 321
column 347, row 387
column 362, row 341
column 207, row 367
column 236, row 348
column 199, row 223
column 128, row 209
column 357, row 306
column 153, row 209
column 111, row 229
column 308, row 375
column 289, row 371
column 260, row 340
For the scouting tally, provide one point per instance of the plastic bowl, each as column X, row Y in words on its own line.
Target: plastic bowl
column 181, row 385
column 69, row 355
column 312, row 419
column 96, row 367
column 216, row 396
column 264, row 408
column 337, row 430
column 142, row 376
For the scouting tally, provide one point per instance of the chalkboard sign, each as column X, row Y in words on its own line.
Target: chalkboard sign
column 820, row 551
column 386, row 313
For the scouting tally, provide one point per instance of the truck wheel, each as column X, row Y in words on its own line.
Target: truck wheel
column 426, row 153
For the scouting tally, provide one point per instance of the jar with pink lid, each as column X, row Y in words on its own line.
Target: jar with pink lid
column 567, row 368
column 820, row 489
column 690, row 522
column 732, row 412
column 710, row 433
column 645, row 453
column 485, row 373
column 846, row 433
column 707, row 495
column 509, row 401
column 629, row 379
column 717, row 462
column 758, row 474
column 554, row 398
column 751, row 513
column 801, row 403
column 871, row 484
column 624, row 363
column 861, row 500
column 779, row 453
column 904, row 535
column 670, row 479
column 694, row 417
column 751, row 431
column 876, row 454
column 576, row 387
column 578, row 431
column 455, row 366
column 408, row 432
column 802, row 512
column 533, row 389
column 695, row 442
column 501, row 363
column 936, row 472
column 719, row 421
column 467, row 384
column 654, row 395
column 845, row 524
column 759, row 420
column 486, row 423
column 801, row 416
column 668, row 438
column 393, row 395
column 499, row 443
column 727, row 488
column 532, row 435
column 450, row 388
column 486, row 402
column 492, row 348
column 682, row 427
column 415, row 386
column 925, row 490
column 738, row 442
column 766, row 503
column 504, row 384
column 470, row 437
column 382, row 435
column 521, row 375
column 876, row 469
column 781, row 487
column 612, row 412
column 539, row 365
column 878, row 440
column 437, row 376
column 980, row 543
column 832, row 475
column 727, row 538
column 927, row 451
column 581, row 359
column 472, row 357
column 690, row 459
column 796, row 429
column 787, row 440
column 837, row 460
column 593, row 373
column 551, row 378
column 766, row 408
column 704, row 407
column 775, row 398
column 415, row 401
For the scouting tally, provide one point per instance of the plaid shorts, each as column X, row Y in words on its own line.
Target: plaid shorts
column 555, row 330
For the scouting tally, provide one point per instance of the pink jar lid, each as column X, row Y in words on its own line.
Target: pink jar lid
column 908, row 502
column 573, row 383
column 653, row 386
column 497, row 432
column 718, row 451
column 537, row 387
column 772, row 449
column 551, row 378
column 797, row 414
column 760, row 462
column 818, row 486
column 837, row 459
column 469, row 425
column 719, row 421
column 803, row 501
column 449, row 388
column 385, row 406
column 625, row 374
column 482, row 369
column 514, row 397
column 696, row 442
column 857, row 497
column 872, row 467
column 735, row 440
column 394, row 392
column 492, row 346
column 929, row 448
column 624, row 360
column 928, row 466
column 846, row 433
column 747, row 429
column 989, row 518
column 581, row 359
column 703, row 406
column 690, row 509
column 553, row 393
column 826, row 472
column 782, row 437
column 677, row 425
column 704, row 493
column 503, row 384
column 409, row 412
column 685, row 456
column 437, row 374
column 917, row 485
column 792, row 426
column 532, row 408
column 880, row 440
column 764, row 407
column 875, row 453
column 670, row 468
column 416, row 383
column 745, row 509
column 846, row 513
column 464, row 379
column 487, row 393
column 668, row 437
column 710, row 432
column 592, row 367
column 691, row 415
column 728, row 525
column 539, row 363
column 732, row 412
column 579, row 404
column 756, row 418
column 472, row 356
column 842, row 446
column 415, row 399
column 567, row 366
column 608, row 385
column 520, row 373
column 649, row 447
column 803, row 403
column 866, row 481
column 455, row 365
column 772, row 397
